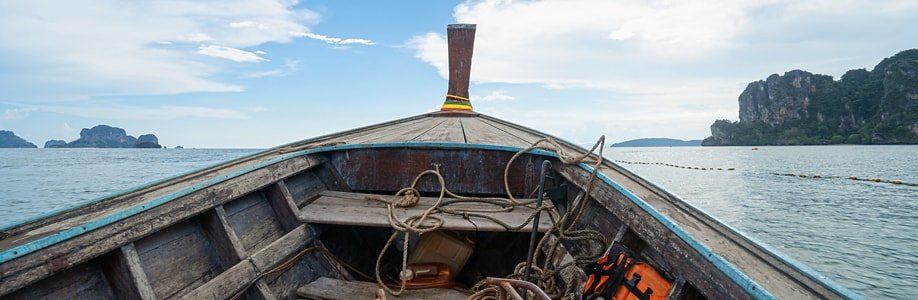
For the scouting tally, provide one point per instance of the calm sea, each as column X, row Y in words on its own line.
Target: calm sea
column 863, row 235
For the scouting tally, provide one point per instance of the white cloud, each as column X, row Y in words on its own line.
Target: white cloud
column 15, row 113
column 493, row 96
column 196, row 37
column 331, row 40
column 65, row 50
column 121, row 112
column 247, row 24
column 233, row 54
column 670, row 65
column 290, row 66
column 259, row 52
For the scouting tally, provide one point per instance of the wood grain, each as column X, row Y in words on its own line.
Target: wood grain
column 334, row 289
column 354, row 209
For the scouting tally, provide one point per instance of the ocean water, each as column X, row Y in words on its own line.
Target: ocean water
column 33, row 181
column 862, row 235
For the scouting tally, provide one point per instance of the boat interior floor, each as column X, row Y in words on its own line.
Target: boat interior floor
column 354, row 228
column 336, row 289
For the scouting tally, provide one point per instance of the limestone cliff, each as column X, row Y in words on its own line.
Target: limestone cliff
column 864, row 107
column 8, row 139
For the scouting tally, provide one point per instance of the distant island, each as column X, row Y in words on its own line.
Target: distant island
column 657, row 142
column 800, row 108
column 8, row 139
column 104, row 136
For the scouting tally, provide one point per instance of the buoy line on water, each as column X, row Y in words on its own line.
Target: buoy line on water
column 673, row 165
column 855, row 178
column 801, row 175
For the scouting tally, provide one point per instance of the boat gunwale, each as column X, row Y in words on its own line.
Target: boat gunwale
column 731, row 271
column 774, row 253
column 138, row 188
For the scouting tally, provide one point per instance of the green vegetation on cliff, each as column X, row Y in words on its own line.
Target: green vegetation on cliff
column 801, row 108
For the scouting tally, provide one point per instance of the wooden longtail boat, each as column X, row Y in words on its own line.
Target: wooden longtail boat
column 312, row 219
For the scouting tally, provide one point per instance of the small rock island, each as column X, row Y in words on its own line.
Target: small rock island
column 8, row 139
column 104, row 136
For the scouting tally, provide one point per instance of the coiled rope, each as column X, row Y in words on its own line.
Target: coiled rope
column 561, row 226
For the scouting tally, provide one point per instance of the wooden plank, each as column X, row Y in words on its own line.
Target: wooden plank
column 236, row 277
column 479, row 132
column 228, row 247
column 303, row 187
column 409, row 132
column 254, row 221
column 677, row 289
column 261, row 291
column 355, row 209
column 138, row 278
column 177, row 259
column 282, row 203
column 283, row 248
column 381, row 132
column 85, row 281
column 226, row 284
column 38, row 265
column 527, row 136
column 450, row 130
column 334, row 289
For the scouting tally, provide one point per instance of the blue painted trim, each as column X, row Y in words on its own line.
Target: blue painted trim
column 722, row 264
column 731, row 271
column 794, row 264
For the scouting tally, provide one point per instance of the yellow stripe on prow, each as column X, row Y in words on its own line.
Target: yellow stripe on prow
column 456, row 106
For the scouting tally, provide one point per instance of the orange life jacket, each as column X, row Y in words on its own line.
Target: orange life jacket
column 621, row 276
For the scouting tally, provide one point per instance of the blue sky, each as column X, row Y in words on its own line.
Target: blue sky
column 258, row 73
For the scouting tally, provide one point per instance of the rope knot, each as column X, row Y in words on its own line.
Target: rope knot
column 409, row 198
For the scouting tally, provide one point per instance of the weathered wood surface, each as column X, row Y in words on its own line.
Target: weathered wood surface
column 355, row 209
column 177, row 259
column 409, row 132
column 282, row 203
column 461, row 44
column 467, row 171
column 38, row 265
column 229, row 248
column 127, row 276
column 254, row 221
column 450, row 130
column 303, row 187
column 238, row 276
column 479, row 132
column 85, row 281
column 334, row 289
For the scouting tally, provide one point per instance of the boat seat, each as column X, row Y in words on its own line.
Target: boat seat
column 358, row 209
column 333, row 289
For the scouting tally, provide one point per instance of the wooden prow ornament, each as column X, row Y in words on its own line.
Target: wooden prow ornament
column 461, row 41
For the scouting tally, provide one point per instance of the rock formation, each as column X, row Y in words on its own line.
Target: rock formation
column 147, row 141
column 104, row 136
column 54, row 143
column 864, row 107
column 8, row 139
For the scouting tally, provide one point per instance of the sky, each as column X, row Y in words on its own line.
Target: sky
column 260, row 73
